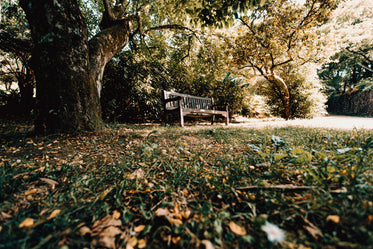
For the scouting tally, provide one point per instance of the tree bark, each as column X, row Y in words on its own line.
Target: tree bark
column 285, row 96
column 68, row 68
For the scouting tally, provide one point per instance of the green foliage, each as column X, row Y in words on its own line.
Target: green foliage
column 221, row 12
column 348, row 79
column 229, row 92
column 274, row 35
column 306, row 99
column 348, row 69
column 134, row 80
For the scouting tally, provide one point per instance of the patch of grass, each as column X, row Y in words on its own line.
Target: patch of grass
column 167, row 187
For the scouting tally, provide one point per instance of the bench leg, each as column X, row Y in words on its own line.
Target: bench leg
column 181, row 118
column 227, row 119
column 165, row 118
column 212, row 119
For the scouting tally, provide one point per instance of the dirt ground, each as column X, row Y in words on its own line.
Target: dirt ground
column 330, row 122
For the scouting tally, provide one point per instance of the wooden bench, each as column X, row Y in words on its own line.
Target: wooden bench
column 185, row 105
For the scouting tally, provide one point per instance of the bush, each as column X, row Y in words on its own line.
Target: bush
column 229, row 92
column 306, row 98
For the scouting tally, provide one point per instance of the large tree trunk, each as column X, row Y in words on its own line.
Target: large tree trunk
column 67, row 67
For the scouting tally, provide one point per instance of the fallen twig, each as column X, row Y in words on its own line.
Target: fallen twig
column 281, row 187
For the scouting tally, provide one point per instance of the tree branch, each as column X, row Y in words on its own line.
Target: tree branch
column 362, row 53
column 17, row 46
column 170, row 26
column 108, row 10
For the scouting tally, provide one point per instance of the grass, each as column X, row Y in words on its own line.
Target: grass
column 168, row 187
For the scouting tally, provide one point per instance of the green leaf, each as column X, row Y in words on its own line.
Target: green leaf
column 277, row 141
column 278, row 157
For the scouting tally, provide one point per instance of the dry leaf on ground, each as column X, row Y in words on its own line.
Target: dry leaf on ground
column 132, row 242
column 26, row 223
column 54, row 214
column 208, row 244
column 139, row 228
column 116, row 214
column 237, row 229
column 161, row 212
column 333, row 218
column 49, row 181
column 106, row 229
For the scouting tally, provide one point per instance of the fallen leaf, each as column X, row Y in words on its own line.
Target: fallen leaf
column 30, row 192
column 333, row 218
column 26, row 223
column 176, row 221
column 104, row 194
column 141, row 244
column 131, row 243
column 237, row 229
column 139, row 228
column 54, row 214
column 49, row 181
column 207, row 244
column 5, row 216
column 84, row 230
column 161, row 212
column 175, row 240
column 103, row 223
column 370, row 218
column 185, row 214
column 107, row 236
column 137, row 174
column 116, row 214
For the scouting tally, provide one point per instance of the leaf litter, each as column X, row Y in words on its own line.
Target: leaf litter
column 131, row 187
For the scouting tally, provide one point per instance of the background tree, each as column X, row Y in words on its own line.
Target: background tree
column 348, row 69
column 306, row 99
column 347, row 43
column 278, row 33
column 348, row 79
column 15, row 52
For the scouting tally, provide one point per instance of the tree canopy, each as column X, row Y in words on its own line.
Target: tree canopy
column 277, row 33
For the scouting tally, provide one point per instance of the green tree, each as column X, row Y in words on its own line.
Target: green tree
column 306, row 99
column 188, row 62
column 15, row 52
column 69, row 65
column 348, row 69
column 275, row 34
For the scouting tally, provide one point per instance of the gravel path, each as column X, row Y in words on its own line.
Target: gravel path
column 330, row 122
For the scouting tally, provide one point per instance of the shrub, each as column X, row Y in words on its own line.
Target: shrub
column 306, row 98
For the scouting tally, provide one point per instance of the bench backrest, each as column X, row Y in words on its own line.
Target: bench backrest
column 187, row 101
